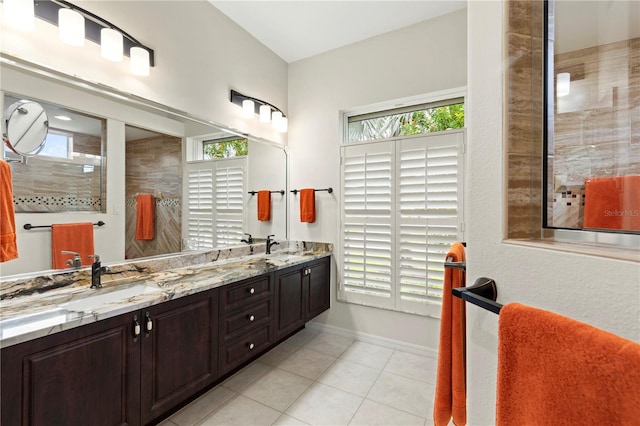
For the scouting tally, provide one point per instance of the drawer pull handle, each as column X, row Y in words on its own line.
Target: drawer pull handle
column 251, row 346
column 149, row 324
column 252, row 290
column 252, row 318
column 136, row 326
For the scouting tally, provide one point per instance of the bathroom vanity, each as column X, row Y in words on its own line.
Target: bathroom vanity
column 131, row 352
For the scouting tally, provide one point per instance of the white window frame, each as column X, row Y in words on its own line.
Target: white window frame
column 395, row 301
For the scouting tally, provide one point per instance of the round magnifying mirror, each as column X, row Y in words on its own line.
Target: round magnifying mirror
column 25, row 127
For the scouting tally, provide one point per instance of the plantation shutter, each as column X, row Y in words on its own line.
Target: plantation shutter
column 200, row 207
column 229, row 202
column 367, row 222
column 402, row 208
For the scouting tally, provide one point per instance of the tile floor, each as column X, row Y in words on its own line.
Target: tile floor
column 319, row 378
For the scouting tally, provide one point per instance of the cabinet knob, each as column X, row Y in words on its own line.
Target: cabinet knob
column 149, row 323
column 252, row 290
column 251, row 346
column 251, row 318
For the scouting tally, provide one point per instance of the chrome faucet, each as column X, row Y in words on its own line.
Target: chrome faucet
column 76, row 262
column 248, row 240
column 96, row 271
column 270, row 243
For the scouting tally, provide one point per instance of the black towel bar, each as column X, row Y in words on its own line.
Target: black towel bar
column 281, row 192
column 482, row 293
column 28, row 226
column 329, row 190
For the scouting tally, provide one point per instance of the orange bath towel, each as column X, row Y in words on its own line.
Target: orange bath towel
column 8, row 244
column 307, row 205
column 145, row 218
column 451, row 395
column 76, row 237
column 264, row 206
column 612, row 203
column 553, row 370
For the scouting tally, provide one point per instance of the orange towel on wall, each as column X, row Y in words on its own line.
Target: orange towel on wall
column 77, row 237
column 264, row 206
column 451, row 394
column 612, row 203
column 8, row 243
column 307, row 205
column 553, row 370
column 145, row 217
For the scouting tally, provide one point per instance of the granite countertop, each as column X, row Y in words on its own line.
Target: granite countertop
column 37, row 306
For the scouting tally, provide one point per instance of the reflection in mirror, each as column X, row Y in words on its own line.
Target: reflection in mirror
column 593, row 116
column 66, row 175
column 148, row 145
column 24, row 127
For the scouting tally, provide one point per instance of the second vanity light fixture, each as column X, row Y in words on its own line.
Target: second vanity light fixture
column 76, row 24
column 266, row 111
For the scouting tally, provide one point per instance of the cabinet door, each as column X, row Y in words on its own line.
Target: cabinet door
column 318, row 281
column 290, row 301
column 84, row 376
column 179, row 351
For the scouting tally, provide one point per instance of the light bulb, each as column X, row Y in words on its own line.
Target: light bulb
column 563, row 86
column 265, row 113
column 111, row 44
column 276, row 117
column 248, row 108
column 71, row 27
column 139, row 61
column 19, row 14
column 284, row 125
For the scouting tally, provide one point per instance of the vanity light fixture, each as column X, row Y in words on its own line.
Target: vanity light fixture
column 71, row 27
column 114, row 42
column 19, row 14
column 563, row 87
column 268, row 112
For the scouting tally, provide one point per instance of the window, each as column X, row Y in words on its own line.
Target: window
column 58, row 144
column 225, row 148
column 215, row 192
column 402, row 210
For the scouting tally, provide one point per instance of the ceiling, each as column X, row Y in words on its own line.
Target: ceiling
column 296, row 30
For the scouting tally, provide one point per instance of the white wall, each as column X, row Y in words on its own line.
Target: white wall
column 599, row 291
column 424, row 58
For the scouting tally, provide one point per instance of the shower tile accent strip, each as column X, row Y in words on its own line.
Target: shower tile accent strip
column 47, row 204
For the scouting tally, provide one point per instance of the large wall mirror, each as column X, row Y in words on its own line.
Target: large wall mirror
column 593, row 116
column 139, row 147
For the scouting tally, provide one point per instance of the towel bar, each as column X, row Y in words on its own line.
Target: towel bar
column 28, row 226
column 281, row 192
column 329, row 190
column 482, row 293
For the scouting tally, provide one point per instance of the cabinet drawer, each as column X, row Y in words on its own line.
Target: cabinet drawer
column 245, row 347
column 244, row 292
column 247, row 319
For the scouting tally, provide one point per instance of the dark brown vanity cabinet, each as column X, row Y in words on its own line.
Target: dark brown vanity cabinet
column 124, row 370
column 302, row 292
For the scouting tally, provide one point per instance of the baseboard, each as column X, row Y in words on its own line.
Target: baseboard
column 373, row 339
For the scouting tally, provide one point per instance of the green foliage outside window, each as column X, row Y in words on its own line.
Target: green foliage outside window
column 226, row 148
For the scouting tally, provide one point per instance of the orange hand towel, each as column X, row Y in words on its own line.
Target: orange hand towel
column 451, row 394
column 553, row 370
column 145, row 218
column 307, row 205
column 612, row 203
column 76, row 237
column 264, row 206
column 8, row 244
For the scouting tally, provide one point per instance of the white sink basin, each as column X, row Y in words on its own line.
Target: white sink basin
column 30, row 322
column 105, row 296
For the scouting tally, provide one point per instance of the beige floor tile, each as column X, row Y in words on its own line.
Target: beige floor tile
column 242, row 411
column 302, row 337
column 371, row 413
column 167, row 423
column 324, row 405
column 413, row 366
column 367, row 354
column 307, row 363
column 285, row 420
column 202, row 407
column 277, row 389
column 278, row 354
column 330, row 344
column 350, row 377
column 247, row 375
column 412, row 396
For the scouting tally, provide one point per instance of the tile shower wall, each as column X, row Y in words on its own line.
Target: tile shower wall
column 49, row 184
column 154, row 166
column 523, row 116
